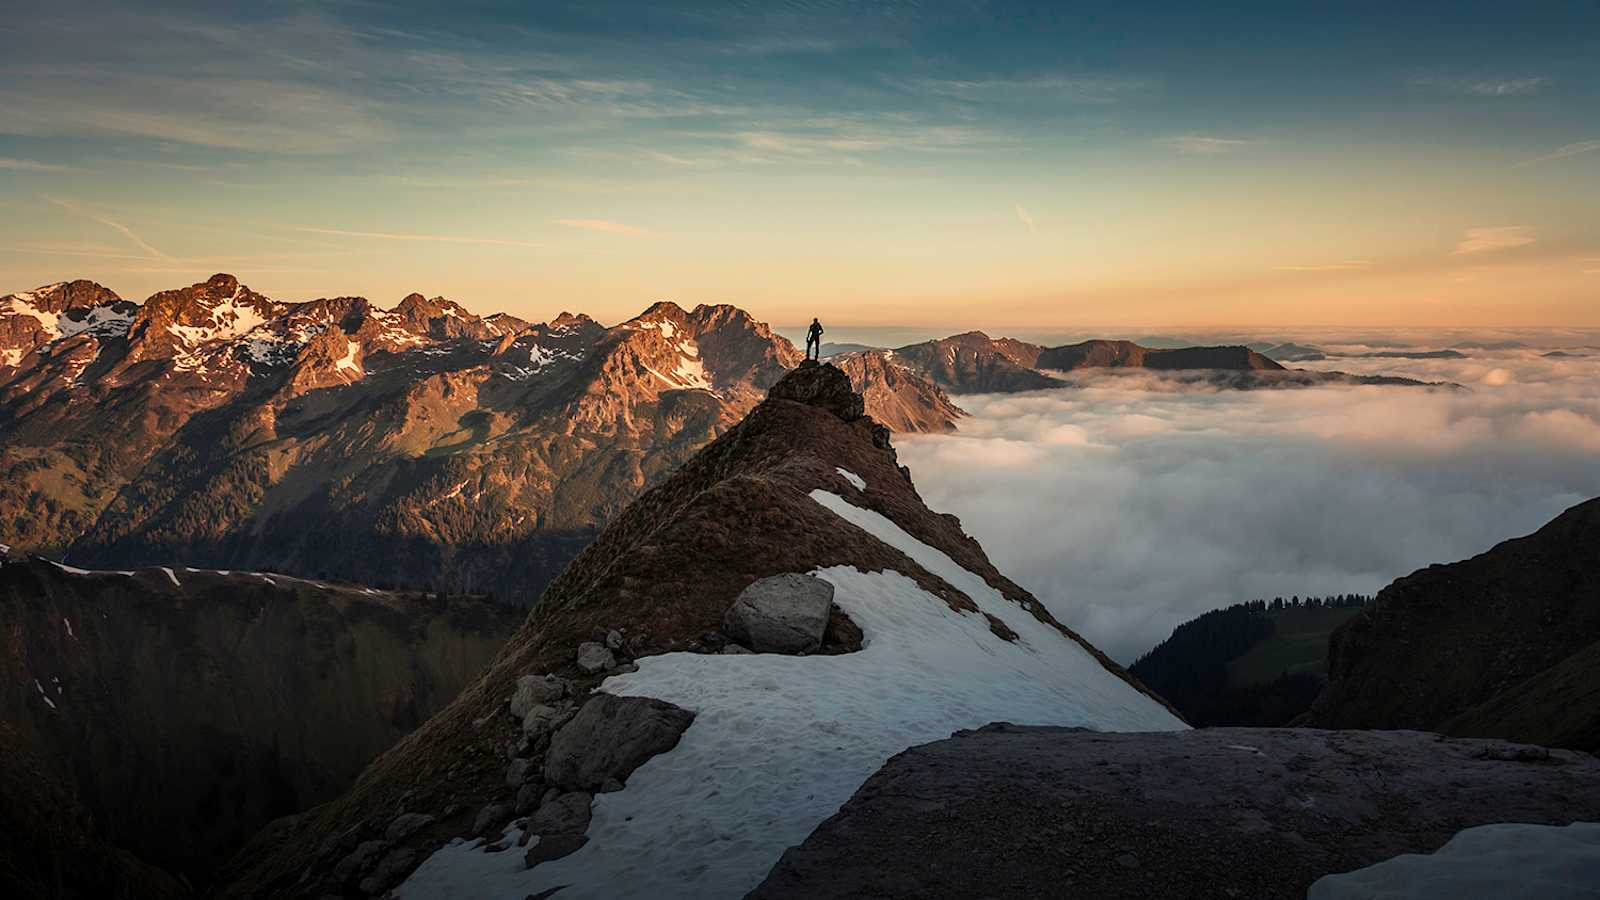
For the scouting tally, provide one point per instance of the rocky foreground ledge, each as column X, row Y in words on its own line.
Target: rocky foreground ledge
column 1011, row 811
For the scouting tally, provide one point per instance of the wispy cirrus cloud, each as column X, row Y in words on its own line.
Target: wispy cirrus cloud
column 1205, row 145
column 1062, row 88
column 1483, row 87
column 606, row 226
column 29, row 165
column 1562, row 152
column 126, row 232
column 1025, row 218
column 1344, row 266
column 1495, row 238
column 424, row 238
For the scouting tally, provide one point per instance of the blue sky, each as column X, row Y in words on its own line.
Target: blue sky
column 970, row 163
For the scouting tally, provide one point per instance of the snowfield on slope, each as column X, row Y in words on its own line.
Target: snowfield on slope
column 779, row 743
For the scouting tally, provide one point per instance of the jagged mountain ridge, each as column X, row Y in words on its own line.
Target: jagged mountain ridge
column 216, row 427
column 185, row 709
column 804, row 483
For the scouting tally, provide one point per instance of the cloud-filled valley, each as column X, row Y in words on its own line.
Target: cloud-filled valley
column 1129, row 504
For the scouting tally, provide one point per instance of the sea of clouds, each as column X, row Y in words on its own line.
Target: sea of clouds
column 1129, row 504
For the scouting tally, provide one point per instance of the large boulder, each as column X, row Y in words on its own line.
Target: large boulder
column 825, row 386
column 609, row 738
column 1217, row 812
column 781, row 614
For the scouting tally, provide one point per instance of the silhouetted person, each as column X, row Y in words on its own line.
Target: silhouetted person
column 814, row 339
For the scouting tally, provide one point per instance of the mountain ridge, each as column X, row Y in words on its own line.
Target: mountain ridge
column 766, row 498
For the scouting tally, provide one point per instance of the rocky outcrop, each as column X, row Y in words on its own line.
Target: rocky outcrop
column 782, row 614
column 1505, row 644
column 185, row 709
column 820, row 385
column 610, row 737
column 1224, row 813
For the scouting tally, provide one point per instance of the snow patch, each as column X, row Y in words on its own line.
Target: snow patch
column 40, row 688
column 70, row 570
column 780, row 742
column 68, row 622
column 22, row 305
column 1508, row 862
column 856, row 481
column 349, row 360
column 173, row 575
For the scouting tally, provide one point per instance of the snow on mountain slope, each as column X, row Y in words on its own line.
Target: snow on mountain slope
column 780, row 742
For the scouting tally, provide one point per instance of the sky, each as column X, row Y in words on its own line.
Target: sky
column 928, row 164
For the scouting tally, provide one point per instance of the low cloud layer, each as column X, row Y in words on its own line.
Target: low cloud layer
column 1129, row 504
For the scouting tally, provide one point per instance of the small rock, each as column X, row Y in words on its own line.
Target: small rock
column 593, row 658
column 614, row 640
column 519, row 771
column 490, row 817
column 554, row 846
column 528, row 798
column 363, row 858
column 1128, row 860
column 405, row 825
column 610, row 737
column 536, row 690
column 566, row 814
column 610, row 786
column 736, row 650
column 390, row 870
column 781, row 614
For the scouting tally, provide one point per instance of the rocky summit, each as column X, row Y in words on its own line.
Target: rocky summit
column 625, row 744
column 420, row 445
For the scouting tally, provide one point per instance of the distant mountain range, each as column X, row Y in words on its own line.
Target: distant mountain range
column 422, row 445
column 419, row 445
column 976, row 363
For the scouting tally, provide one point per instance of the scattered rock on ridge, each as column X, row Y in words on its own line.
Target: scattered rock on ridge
column 610, row 737
column 594, row 658
column 536, row 690
column 781, row 614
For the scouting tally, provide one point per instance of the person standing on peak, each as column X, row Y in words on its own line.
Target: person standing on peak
column 814, row 339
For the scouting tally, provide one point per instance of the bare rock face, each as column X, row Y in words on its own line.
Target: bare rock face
column 825, row 386
column 609, row 738
column 1218, row 812
column 781, row 614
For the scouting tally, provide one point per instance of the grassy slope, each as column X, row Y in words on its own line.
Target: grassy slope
column 1299, row 643
column 1559, row 707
